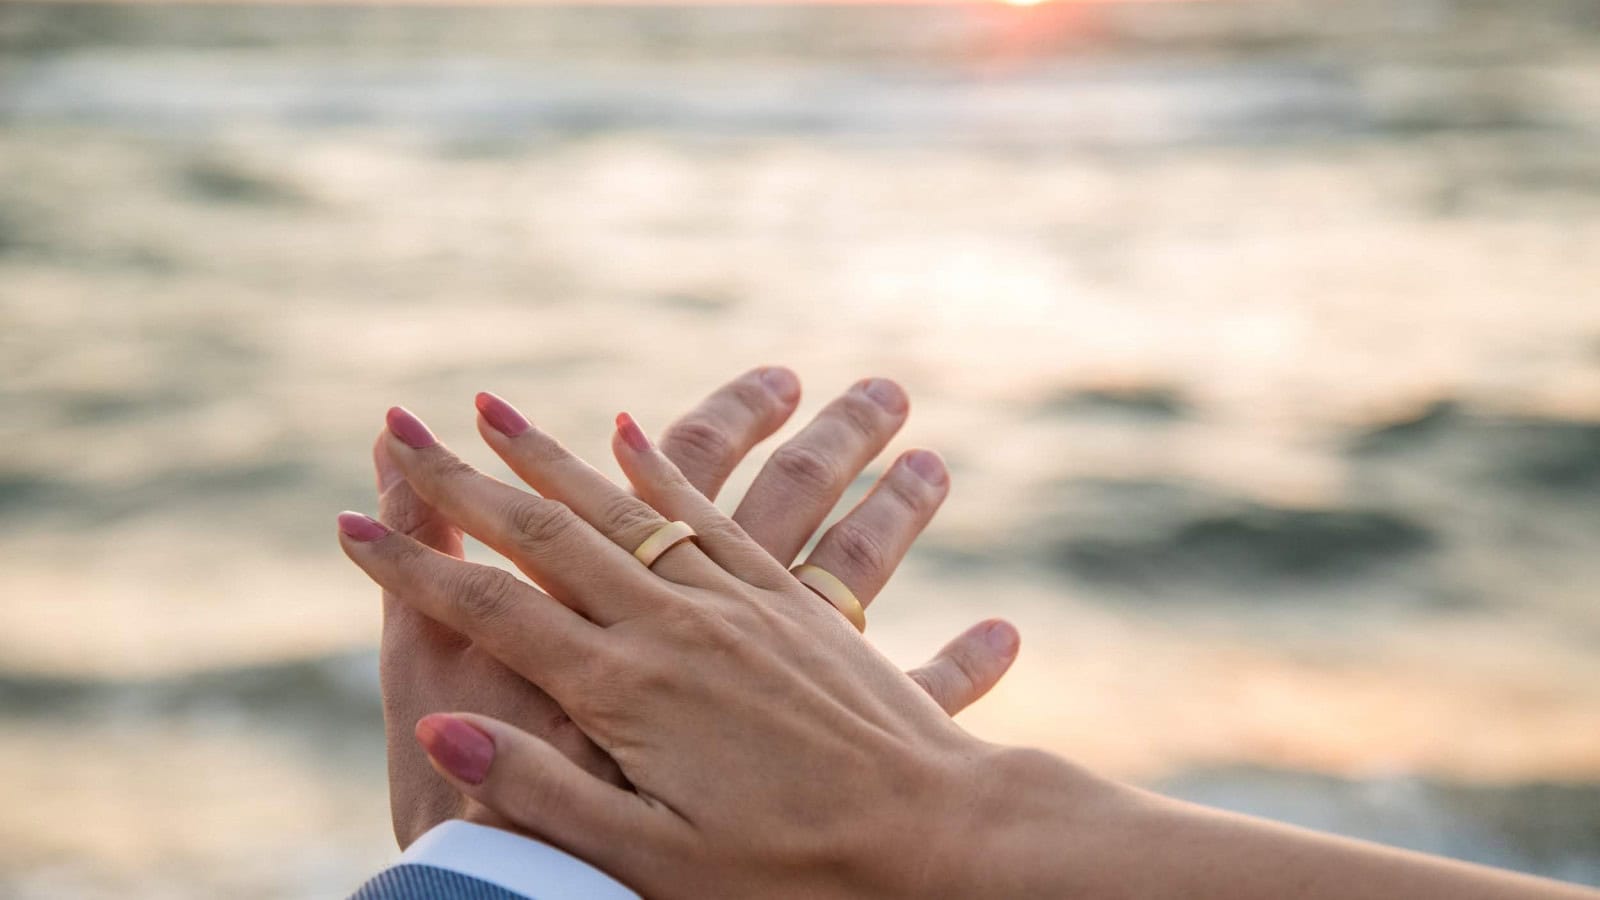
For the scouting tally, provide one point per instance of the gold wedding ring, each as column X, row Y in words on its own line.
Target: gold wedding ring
column 665, row 538
column 830, row 588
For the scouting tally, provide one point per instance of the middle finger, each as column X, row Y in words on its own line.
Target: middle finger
column 544, row 538
column 864, row 548
column 806, row 476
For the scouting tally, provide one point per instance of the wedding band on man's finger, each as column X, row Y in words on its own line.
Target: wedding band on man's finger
column 828, row 586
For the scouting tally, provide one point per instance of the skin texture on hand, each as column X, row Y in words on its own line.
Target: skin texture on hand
column 743, row 663
column 427, row 667
column 772, row 752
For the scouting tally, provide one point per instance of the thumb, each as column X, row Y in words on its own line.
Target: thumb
column 531, row 784
column 967, row 667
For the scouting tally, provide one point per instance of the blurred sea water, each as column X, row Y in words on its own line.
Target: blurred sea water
column 1261, row 339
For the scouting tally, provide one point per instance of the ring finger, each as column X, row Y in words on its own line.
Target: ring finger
column 555, row 472
column 864, row 548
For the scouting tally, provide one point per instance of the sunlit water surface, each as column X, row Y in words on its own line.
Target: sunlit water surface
column 1261, row 340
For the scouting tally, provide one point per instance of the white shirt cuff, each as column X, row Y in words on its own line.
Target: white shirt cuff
column 519, row 864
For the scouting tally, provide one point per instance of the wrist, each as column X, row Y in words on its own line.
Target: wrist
column 1031, row 824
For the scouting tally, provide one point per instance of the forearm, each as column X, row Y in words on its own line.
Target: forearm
column 1070, row 834
column 1194, row 851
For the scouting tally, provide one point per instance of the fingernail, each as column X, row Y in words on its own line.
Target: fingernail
column 501, row 415
column 389, row 474
column 928, row 466
column 632, row 435
column 461, row 749
column 782, row 382
column 409, row 429
column 360, row 527
column 1002, row 638
column 886, row 394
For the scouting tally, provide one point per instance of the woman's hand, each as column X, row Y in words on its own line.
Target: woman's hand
column 707, row 678
column 429, row 668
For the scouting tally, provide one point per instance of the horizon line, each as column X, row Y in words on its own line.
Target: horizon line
column 514, row 4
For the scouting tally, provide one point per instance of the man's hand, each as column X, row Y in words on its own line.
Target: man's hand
column 428, row 668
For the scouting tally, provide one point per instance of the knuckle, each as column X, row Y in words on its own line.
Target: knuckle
column 403, row 510
column 483, row 594
column 538, row 524
column 722, row 532
column 909, row 499
column 697, row 441
column 860, row 415
column 624, row 516
column 859, row 547
column 600, row 665
column 753, row 396
column 406, row 554
column 810, row 471
column 409, row 557
column 703, row 627
column 606, row 685
column 449, row 467
column 541, row 449
column 650, row 679
column 964, row 671
column 606, row 667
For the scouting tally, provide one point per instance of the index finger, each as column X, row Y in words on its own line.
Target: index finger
column 539, row 638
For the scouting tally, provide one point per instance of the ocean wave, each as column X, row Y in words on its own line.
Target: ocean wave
column 1552, row 455
column 1251, row 542
column 334, row 690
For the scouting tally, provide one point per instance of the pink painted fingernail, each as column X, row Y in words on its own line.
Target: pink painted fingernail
column 457, row 746
column 360, row 527
column 409, row 429
column 1002, row 638
column 632, row 434
column 886, row 394
column 928, row 466
column 781, row 382
column 501, row 415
